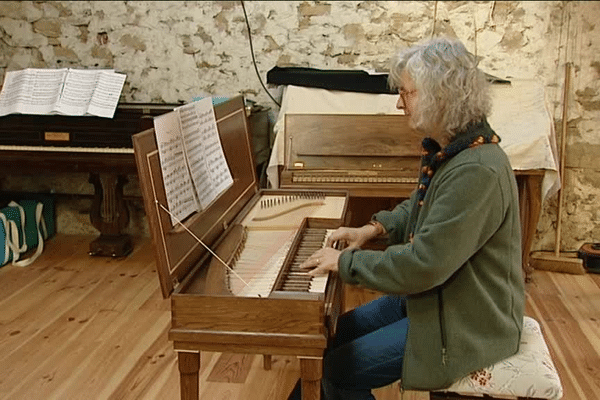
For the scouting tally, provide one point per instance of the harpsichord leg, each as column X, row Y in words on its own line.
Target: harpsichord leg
column 311, row 372
column 189, row 368
column 267, row 362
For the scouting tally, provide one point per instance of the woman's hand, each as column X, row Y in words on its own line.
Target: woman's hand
column 322, row 261
column 353, row 237
column 326, row 259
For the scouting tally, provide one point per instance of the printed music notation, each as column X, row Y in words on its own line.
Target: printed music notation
column 64, row 91
column 195, row 171
column 177, row 180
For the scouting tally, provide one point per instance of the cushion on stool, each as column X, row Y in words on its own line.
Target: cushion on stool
column 529, row 373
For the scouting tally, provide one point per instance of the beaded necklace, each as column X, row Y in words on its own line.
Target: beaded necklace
column 433, row 156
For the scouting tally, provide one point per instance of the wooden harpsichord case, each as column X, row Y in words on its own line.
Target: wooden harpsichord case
column 376, row 158
column 263, row 305
column 368, row 155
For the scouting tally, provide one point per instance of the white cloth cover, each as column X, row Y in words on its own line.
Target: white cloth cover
column 529, row 373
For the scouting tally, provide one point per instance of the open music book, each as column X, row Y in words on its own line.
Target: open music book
column 64, row 91
column 193, row 164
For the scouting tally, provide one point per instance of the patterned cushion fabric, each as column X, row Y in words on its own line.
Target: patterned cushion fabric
column 529, row 373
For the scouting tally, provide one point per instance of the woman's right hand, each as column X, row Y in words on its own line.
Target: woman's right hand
column 353, row 237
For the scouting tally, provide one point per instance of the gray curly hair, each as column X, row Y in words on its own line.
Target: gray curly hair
column 452, row 91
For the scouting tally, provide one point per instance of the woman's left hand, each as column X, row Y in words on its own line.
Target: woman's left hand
column 322, row 261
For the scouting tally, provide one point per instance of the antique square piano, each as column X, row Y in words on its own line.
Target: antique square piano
column 231, row 269
column 101, row 147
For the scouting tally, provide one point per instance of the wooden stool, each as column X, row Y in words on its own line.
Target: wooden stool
column 529, row 374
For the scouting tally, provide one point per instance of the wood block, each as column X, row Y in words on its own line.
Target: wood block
column 562, row 263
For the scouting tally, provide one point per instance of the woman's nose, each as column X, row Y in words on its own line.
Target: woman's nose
column 400, row 103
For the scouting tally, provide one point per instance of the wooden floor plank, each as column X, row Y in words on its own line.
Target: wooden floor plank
column 230, row 367
column 24, row 316
column 79, row 327
column 575, row 356
column 105, row 366
column 151, row 368
column 18, row 280
column 165, row 388
column 78, row 352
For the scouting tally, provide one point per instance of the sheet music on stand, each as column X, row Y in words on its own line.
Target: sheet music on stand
column 193, row 164
column 65, row 91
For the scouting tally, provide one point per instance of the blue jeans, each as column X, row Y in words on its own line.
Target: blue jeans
column 367, row 351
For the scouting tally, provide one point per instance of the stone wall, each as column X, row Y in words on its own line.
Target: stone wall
column 173, row 51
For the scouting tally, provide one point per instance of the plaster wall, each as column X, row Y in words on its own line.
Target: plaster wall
column 173, row 51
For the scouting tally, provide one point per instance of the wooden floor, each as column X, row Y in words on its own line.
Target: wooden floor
column 77, row 327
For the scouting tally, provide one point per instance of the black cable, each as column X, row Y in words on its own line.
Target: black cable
column 252, row 52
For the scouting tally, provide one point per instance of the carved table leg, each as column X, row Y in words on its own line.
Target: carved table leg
column 530, row 204
column 189, row 368
column 109, row 214
column 311, row 372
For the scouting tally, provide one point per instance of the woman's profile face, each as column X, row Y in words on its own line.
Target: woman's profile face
column 408, row 96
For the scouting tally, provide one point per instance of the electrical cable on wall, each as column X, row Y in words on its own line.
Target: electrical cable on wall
column 435, row 5
column 253, row 58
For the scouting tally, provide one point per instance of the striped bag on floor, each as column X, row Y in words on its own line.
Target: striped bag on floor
column 22, row 228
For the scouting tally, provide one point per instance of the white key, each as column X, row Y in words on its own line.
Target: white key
column 319, row 283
